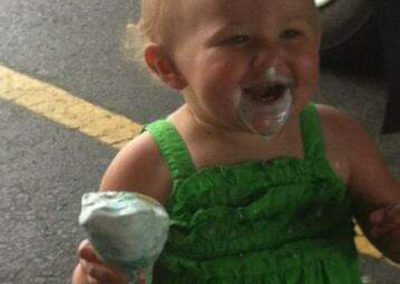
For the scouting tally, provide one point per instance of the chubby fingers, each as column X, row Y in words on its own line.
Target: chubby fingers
column 96, row 272
column 386, row 221
column 99, row 274
column 86, row 252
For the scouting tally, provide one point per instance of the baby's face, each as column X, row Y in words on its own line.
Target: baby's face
column 222, row 47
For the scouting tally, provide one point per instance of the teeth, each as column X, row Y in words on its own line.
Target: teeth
column 275, row 92
column 266, row 94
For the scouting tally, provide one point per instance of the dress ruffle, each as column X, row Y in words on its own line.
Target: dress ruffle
column 233, row 221
column 321, row 264
column 285, row 221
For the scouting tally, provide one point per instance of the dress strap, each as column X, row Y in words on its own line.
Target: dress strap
column 313, row 141
column 172, row 148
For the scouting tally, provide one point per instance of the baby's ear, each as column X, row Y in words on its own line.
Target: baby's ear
column 161, row 64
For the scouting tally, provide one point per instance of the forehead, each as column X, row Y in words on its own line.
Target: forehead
column 242, row 9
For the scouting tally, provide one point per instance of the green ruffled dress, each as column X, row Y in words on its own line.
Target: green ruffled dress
column 285, row 221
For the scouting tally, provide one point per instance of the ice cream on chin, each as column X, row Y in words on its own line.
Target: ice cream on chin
column 264, row 106
column 127, row 230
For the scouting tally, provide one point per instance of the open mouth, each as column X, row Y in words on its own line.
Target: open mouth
column 266, row 94
column 264, row 107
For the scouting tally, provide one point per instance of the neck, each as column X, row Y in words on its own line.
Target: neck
column 188, row 121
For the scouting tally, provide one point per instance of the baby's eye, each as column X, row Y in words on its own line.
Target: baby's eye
column 290, row 34
column 237, row 40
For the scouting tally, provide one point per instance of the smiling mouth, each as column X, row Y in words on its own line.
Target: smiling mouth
column 266, row 94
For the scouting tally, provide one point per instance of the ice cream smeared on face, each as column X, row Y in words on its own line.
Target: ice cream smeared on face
column 264, row 106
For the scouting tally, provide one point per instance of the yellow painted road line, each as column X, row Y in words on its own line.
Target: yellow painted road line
column 65, row 109
column 364, row 246
column 75, row 113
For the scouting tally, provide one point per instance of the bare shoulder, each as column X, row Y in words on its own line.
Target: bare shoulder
column 333, row 123
column 369, row 180
column 139, row 167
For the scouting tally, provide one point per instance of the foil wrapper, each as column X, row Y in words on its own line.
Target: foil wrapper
column 127, row 230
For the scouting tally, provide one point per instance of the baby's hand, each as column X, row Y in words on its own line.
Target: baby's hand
column 95, row 272
column 385, row 229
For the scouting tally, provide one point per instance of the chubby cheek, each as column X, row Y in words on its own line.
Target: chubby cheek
column 222, row 69
column 222, row 85
column 218, row 76
column 307, row 75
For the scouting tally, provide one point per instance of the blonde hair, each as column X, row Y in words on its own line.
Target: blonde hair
column 154, row 24
column 151, row 28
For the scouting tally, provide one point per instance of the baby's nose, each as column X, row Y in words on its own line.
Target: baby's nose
column 264, row 58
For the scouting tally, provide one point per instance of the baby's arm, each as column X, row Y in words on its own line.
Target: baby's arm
column 138, row 167
column 374, row 190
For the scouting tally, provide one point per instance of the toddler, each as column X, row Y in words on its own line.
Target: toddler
column 260, row 183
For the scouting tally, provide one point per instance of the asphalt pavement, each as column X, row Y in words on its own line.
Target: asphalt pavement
column 46, row 164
